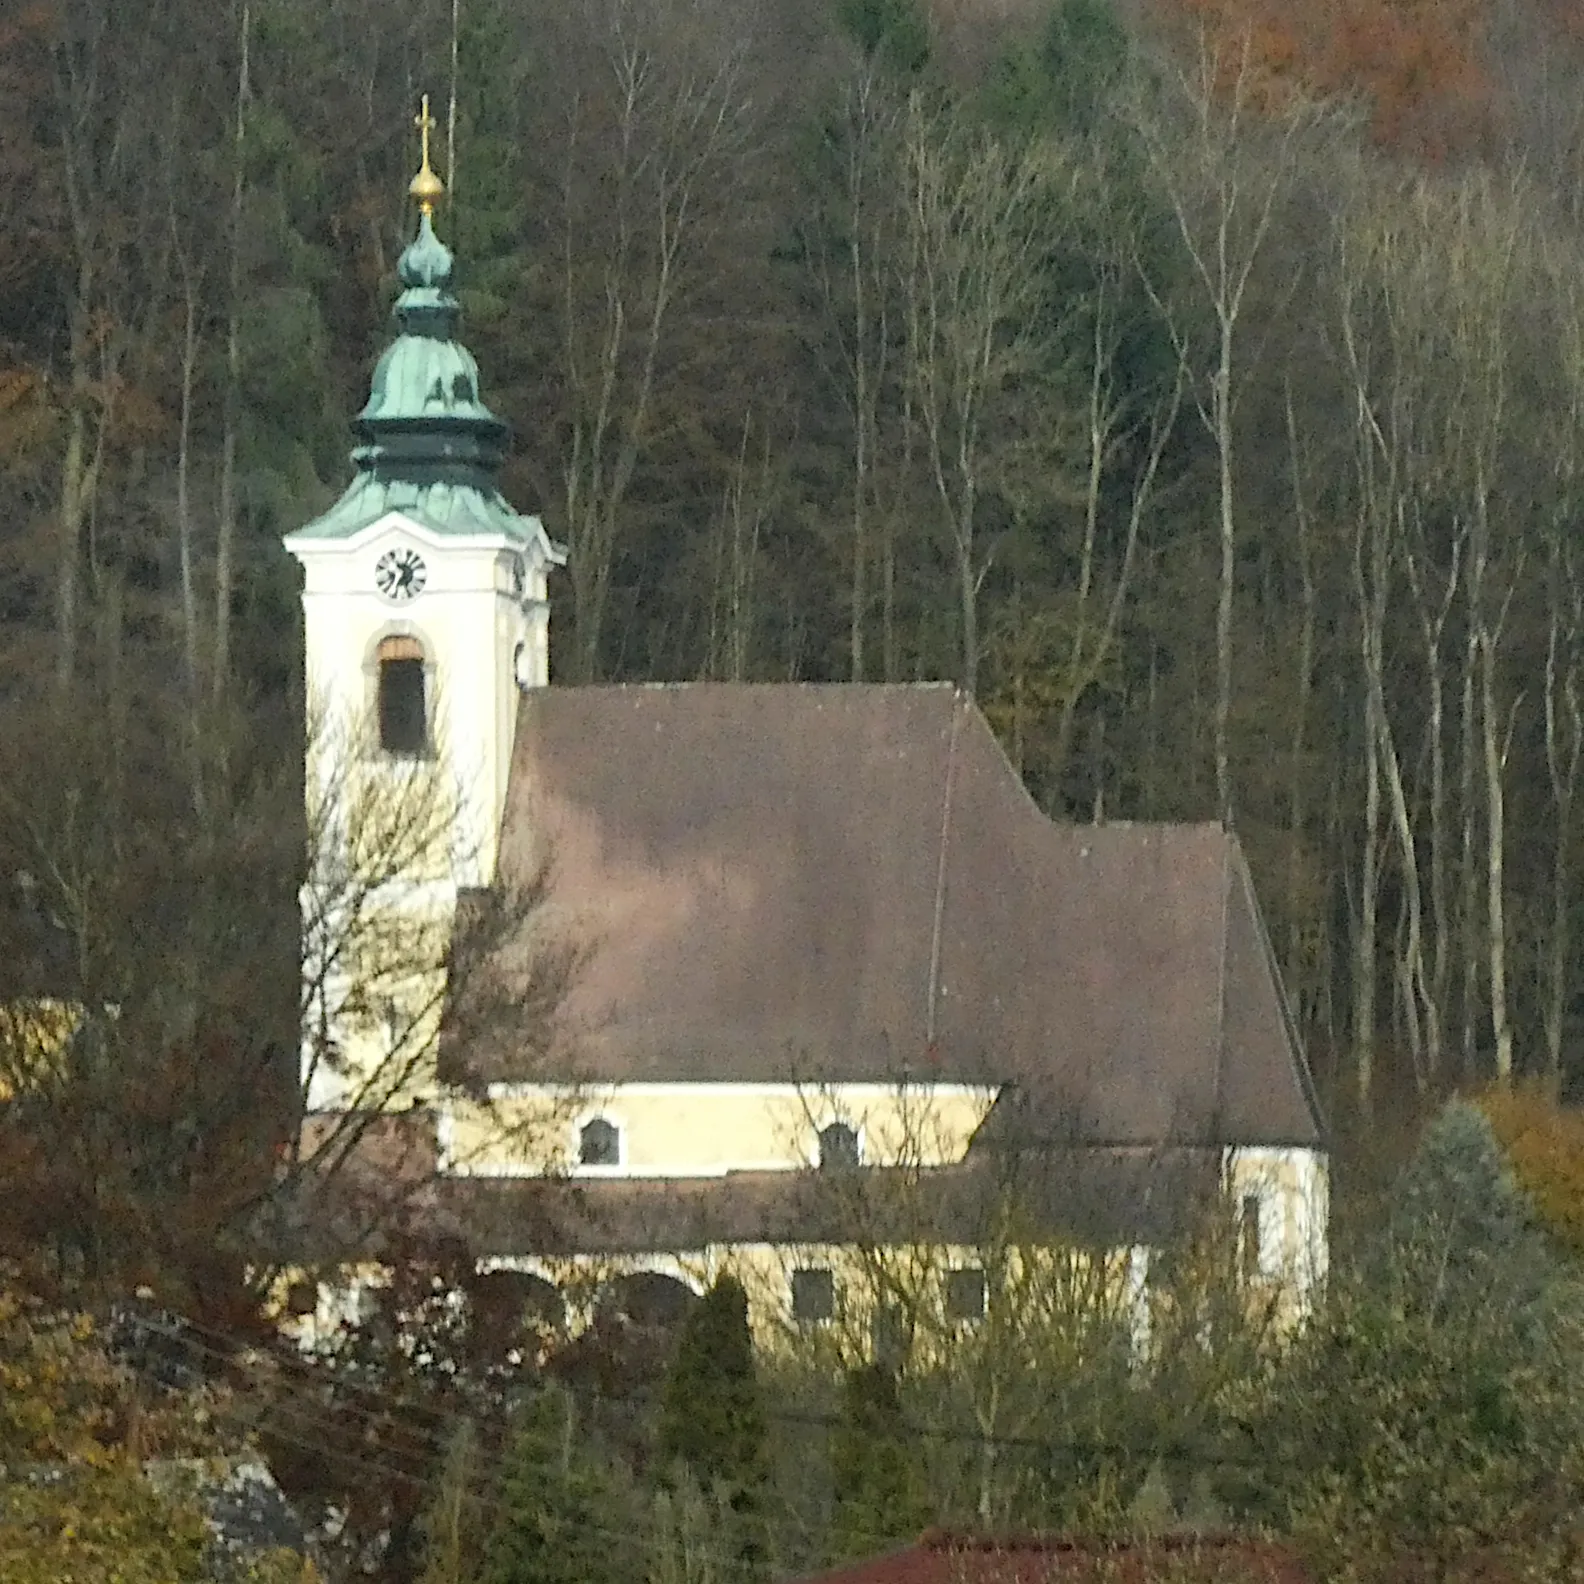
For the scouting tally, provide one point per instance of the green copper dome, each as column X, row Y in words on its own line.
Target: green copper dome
column 426, row 260
column 428, row 446
column 423, row 415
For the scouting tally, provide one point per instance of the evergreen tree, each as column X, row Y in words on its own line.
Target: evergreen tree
column 1461, row 1235
column 693, row 1535
column 880, row 1494
column 712, row 1421
column 895, row 30
column 487, row 217
column 452, row 1523
column 561, row 1509
column 1432, row 1407
column 1066, row 79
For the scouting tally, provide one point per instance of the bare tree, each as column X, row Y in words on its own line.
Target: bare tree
column 1564, row 744
column 99, row 136
column 194, row 1110
column 980, row 323
column 396, row 965
column 1222, row 164
column 651, row 147
column 1564, row 663
column 747, row 501
column 854, row 250
column 1302, row 908
column 1116, row 423
column 225, row 524
column 1487, row 239
column 1047, row 661
column 1008, row 1295
column 1383, row 303
column 1430, row 272
column 186, row 555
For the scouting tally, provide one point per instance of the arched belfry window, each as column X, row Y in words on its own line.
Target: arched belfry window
column 838, row 1147
column 599, row 1143
column 403, row 711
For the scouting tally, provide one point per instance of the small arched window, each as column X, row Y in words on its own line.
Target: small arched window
column 403, row 715
column 838, row 1147
column 599, row 1143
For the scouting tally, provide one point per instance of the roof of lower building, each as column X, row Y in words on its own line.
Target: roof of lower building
column 1103, row 1199
column 971, row 1559
column 845, row 883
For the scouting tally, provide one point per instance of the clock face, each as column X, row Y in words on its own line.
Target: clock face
column 400, row 574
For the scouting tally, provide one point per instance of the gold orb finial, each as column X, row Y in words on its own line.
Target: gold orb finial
column 426, row 187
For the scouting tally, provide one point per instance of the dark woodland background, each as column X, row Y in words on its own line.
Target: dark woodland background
column 1200, row 383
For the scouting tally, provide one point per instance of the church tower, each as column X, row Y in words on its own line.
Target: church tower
column 424, row 603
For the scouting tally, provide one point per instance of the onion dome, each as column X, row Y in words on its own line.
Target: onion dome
column 427, row 444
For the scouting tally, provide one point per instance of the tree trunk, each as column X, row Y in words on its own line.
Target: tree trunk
column 1375, row 575
column 184, row 546
column 1468, row 872
column 1564, row 739
column 73, row 510
column 1364, row 965
column 225, row 529
column 1495, row 745
column 863, row 393
column 184, row 533
column 1221, row 406
column 968, row 591
column 632, row 218
column 860, row 534
column 1297, row 809
column 1441, row 925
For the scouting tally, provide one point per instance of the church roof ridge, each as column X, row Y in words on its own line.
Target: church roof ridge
column 833, row 880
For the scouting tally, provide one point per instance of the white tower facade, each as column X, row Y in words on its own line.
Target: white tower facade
column 417, row 644
column 425, row 611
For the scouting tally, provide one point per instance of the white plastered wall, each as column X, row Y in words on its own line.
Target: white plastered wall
column 707, row 1129
column 483, row 641
column 1292, row 1186
column 481, row 620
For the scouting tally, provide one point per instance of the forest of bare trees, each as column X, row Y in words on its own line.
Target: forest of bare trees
column 1202, row 385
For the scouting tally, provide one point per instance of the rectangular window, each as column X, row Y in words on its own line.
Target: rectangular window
column 402, row 724
column 965, row 1294
column 888, row 1338
column 1250, row 1249
column 813, row 1295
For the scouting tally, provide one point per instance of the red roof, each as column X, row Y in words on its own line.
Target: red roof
column 1182, row 1559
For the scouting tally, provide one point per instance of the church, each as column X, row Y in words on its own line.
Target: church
column 839, row 982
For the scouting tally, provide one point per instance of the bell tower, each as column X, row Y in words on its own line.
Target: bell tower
column 424, row 592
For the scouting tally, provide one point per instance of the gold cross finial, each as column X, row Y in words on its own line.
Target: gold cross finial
column 425, row 123
column 426, row 187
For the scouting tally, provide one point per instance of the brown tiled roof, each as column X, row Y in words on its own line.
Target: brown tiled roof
column 850, row 882
column 1102, row 1198
column 1184, row 1559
